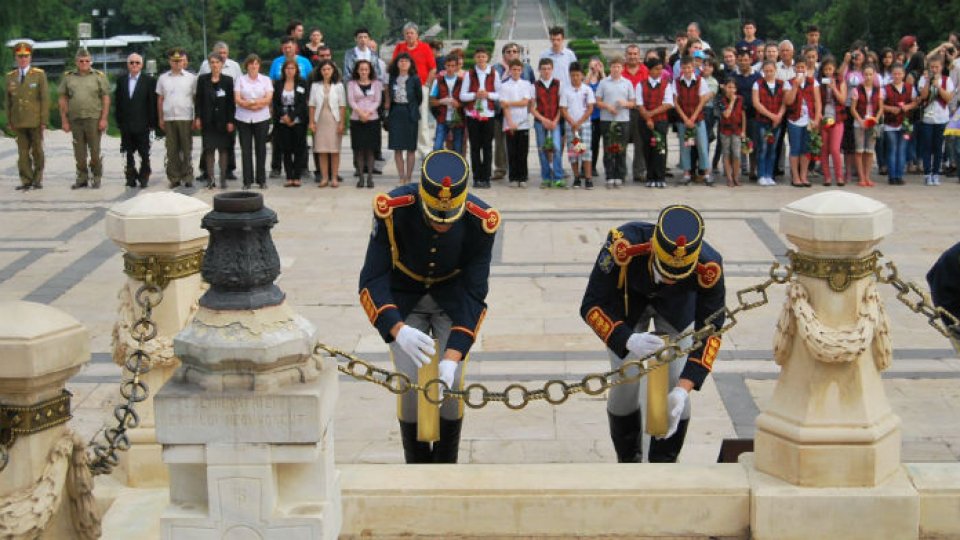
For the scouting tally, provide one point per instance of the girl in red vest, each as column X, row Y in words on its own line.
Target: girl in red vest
column 803, row 114
column 769, row 108
column 866, row 109
column 833, row 94
column 733, row 130
column 899, row 98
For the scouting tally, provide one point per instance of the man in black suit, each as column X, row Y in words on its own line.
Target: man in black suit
column 136, row 114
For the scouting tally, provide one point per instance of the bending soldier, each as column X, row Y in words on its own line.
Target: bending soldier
column 665, row 273
column 425, row 279
column 944, row 280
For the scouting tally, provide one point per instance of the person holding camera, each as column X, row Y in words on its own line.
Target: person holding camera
column 936, row 91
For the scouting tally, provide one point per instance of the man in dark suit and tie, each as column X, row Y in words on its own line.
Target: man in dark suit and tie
column 136, row 114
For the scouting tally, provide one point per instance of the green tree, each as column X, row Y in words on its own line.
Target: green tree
column 371, row 16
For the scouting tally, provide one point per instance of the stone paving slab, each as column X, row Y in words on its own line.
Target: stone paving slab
column 54, row 250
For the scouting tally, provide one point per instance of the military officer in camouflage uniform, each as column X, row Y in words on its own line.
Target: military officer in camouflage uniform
column 426, row 272
column 664, row 273
column 84, row 106
column 28, row 108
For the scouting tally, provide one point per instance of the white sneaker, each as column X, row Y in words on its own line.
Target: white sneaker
column 650, row 183
column 514, row 183
column 609, row 184
column 928, row 180
column 762, row 181
column 522, row 185
column 936, row 179
column 617, row 182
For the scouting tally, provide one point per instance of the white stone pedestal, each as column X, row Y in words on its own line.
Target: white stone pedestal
column 164, row 226
column 40, row 349
column 251, row 465
column 246, row 423
column 829, row 422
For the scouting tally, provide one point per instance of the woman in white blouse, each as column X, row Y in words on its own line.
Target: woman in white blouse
column 253, row 93
column 328, row 107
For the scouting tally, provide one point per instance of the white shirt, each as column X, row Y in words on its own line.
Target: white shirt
column 467, row 96
column 576, row 100
column 177, row 92
column 786, row 73
column 610, row 92
column 935, row 112
column 804, row 119
column 230, row 67
column 253, row 89
column 132, row 84
column 512, row 90
column 561, row 64
column 362, row 54
column 667, row 92
column 336, row 98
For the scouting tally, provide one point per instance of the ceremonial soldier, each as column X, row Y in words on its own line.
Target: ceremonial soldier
column 84, row 105
column 665, row 273
column 426, row 272
column 944, row 280
column 28, row 107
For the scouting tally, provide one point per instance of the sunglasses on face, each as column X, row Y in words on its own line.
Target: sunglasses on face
column 23, row 56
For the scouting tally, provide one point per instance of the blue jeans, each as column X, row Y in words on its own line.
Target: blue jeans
column 930, row 146
column 549, row 169
column 880, row 151
column 799, row 142
column 703, row 146
column 896, row 153
column 439, row 142
column 767, row 152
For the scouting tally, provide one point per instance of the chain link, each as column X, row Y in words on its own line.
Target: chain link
column 942, row 320
column 104, row 456
column 516, row 396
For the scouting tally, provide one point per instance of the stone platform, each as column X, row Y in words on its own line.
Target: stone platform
column 54, row 250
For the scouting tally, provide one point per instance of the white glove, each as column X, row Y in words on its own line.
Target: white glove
column 447, row 371
column 643, row 343
column 416, row 344
column 676, row 403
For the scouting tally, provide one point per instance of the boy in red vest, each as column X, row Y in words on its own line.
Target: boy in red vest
column 690, row 96
column 546, row 114
column 479, row 93
column 733, row 131
column 445, row 104
column 654, row 101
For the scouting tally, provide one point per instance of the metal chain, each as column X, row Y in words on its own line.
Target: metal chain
column 103, row 457
column 936, row 316
column 517, row 395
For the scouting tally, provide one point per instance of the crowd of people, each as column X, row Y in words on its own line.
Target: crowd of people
column 755, row 109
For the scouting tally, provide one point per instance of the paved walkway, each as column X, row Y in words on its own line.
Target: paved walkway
column 54, row 250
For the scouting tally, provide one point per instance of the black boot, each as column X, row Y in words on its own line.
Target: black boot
column 130, row 172
column 668, row 450
column 448, row 447
column 414, row 451
column 625, row 431
column 144, row 175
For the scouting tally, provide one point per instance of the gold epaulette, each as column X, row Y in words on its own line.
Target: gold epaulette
column 708, row 274
column 489, row 217
column 12, row 72
column 384, row 204
column 38, row 70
